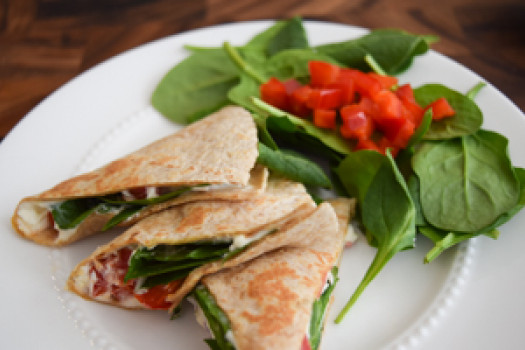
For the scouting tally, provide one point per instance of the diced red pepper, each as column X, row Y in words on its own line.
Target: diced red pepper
column 322, row 73
column 298, row 100
column 387, row 81
column 324, row 99
column 389, row 106
column 367, row 144
column 325, row 118
column 398, row 131
column 405, row 93
column 291, row 85
column 441, row 109
column 364, row 84
column 274, row 93
column 356, row 124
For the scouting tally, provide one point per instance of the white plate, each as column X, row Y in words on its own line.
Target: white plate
column 470, row 297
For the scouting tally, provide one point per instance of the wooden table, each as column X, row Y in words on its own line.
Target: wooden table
column 43, row 44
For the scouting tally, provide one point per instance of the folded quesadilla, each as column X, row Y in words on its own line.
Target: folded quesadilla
column 156, row 262
column 278, row 300
column 211, row 158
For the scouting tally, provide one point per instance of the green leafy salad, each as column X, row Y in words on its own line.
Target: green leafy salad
column 451, row 180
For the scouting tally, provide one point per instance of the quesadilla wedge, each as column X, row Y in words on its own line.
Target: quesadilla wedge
column 278, row 300
column 152, row 264
column 213, row 158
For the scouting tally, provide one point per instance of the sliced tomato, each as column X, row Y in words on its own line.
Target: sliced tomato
column 322, row 73
column 325, row 98
column 139, row 192
column 274, row 93
column 356, row 124
column 155, row 297
column 305, row 345
column 441, row 109
column 325, row 118
column 387, row 81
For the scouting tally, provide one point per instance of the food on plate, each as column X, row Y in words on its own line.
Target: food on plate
column 417, row 159
column 280, row 299
column 156, row 262
column 212, row 158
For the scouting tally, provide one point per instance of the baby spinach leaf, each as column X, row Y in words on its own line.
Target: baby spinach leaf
column 392, row 49
column 388, row 213
column 357, row 171
column 293, row 167
column 468, row 117
column 466, row 183
column 293, row 63
column 317, row 320
column 291, row 36
column 444, row 240
column 68, row 214
column 196, row 86
column 217, row 320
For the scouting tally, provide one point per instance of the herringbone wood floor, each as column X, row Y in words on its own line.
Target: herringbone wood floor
column 44, row 43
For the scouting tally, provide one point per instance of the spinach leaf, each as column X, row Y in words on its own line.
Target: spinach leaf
column 196, row 86
column 164, row 259
column 392, row 49
column 293, row 167
column 319, row 312
column 293, row 63
column 217, row 320
column 468, row 117
column 444, row 240
column 68, row 214
column 388, row 213
column 112, row 199
column 466, row 183
column 357, row 171
column 286, row 34
column 125, row 213
column 291, row 36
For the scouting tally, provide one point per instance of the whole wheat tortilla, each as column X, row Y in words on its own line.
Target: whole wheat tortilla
column 268, row 300
column 204, row 220
column 218, row 149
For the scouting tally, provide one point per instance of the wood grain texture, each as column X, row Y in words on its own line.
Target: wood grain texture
column 45, row 43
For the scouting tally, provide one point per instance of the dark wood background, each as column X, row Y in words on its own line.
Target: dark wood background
column 45, row 43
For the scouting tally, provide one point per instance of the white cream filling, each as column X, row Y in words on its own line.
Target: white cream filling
column 352, row 233
column 32, row 216
column 215, row 187
column 241, row 241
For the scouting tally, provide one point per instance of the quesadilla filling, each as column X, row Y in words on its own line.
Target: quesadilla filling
column 65, row 216
column 138, row 277
column 210, row 316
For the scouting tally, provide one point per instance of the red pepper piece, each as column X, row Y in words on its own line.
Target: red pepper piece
column 324, row 99
column 274, row 93
column 441, row 109
column 322, row 73
column 325, row 118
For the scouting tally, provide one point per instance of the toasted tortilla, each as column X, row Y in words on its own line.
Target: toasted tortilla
column 220, row 149
column 281, row 203
column 268, row 300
